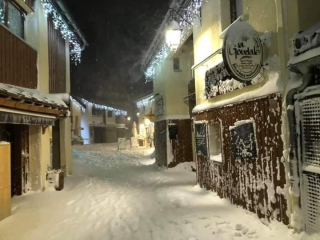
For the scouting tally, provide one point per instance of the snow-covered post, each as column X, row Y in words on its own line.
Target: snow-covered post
column 134, row 135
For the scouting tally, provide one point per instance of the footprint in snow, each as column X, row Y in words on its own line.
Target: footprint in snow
column 186, row 221
column 71, row 202
column 241, row 229
column 222, row 223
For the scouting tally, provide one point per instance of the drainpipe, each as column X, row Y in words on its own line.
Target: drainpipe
column 293, row 135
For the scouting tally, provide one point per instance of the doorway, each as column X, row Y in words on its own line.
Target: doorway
column 18, row 136
column 100, row 135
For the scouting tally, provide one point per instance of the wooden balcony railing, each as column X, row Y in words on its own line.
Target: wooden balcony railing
column 18, row 61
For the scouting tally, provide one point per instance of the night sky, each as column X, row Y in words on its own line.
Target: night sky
column 118, row 33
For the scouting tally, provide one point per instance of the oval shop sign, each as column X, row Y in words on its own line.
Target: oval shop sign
column 242, row 51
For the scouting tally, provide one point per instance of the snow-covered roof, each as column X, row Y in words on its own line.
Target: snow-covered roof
column 308, row 39
column 32, row 95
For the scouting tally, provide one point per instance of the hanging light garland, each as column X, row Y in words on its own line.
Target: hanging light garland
column 157, row 59
column 77, row 104
column 1, row 15
column 191, row 15
column 144, row 102
column 67, row 34
column 116, row 111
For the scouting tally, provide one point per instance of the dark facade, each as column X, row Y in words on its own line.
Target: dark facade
column 255, row 181
column 174, row 136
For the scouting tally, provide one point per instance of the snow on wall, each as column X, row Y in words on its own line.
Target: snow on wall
column 180, row 150
column 271, row 86
column 257, row 184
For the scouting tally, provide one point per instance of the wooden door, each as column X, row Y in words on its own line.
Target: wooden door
column 19, row 139
column 56, row 164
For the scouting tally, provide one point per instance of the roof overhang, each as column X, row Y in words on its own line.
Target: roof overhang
column 32, row 101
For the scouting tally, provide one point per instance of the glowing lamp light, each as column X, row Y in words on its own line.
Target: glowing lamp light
column 129, row 118
column 147, row 122
column 173, row 35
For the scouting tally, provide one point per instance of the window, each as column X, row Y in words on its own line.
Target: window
column 109, row 114
column 97, row 112
column 236, row 9
column 12, row 17
column 215, row 142
column 176, row 65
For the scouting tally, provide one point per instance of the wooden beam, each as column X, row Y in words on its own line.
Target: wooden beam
column 32, row 108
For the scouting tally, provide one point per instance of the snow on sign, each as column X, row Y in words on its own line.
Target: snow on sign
column 243, row 140
column 201, row 139
column 242, row 51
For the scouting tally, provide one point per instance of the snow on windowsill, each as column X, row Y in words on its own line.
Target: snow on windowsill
column 239, row 123
column 304, row 56
column 216, row 158
column 310, row 168
column 309, row 91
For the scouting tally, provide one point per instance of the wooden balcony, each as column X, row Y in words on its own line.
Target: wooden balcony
column 18, row 61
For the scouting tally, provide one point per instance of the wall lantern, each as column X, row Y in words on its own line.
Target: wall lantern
column 173, row 35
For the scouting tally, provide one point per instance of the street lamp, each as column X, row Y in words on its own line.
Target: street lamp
column 173, row 35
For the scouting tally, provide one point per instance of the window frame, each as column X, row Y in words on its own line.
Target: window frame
column 5, row 9
column 97, row 112
column 209, row 126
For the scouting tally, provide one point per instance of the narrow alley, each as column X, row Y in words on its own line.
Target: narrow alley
column 124, row 195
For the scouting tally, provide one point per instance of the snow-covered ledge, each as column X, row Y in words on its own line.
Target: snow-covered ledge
column 271, row 86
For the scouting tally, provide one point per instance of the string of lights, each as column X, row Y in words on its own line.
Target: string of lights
column 67, row 34
column 144, row 102
column 158, row 58
column 1, row 16
column 77, row 104
column 191, row 14
column 116, row 111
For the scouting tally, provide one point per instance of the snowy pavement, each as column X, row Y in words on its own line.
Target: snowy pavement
column 124, row 196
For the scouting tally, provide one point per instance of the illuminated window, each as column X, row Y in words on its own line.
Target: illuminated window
column 12, row 17
column 215, row 142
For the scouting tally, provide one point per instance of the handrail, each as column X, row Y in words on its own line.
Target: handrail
column 219, row 51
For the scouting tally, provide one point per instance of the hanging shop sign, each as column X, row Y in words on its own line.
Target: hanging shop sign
column 159, row 107
column 201, row 139
column 242, row 51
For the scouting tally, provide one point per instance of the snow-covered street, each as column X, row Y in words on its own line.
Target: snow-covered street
column 124, row 195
